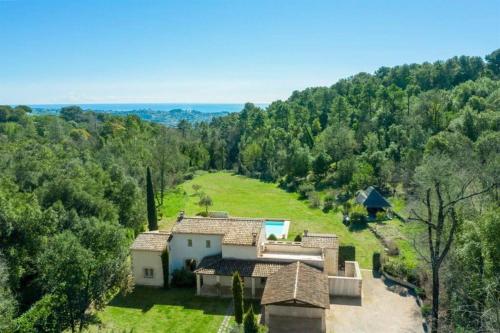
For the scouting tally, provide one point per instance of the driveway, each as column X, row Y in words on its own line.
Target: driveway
column 384, row 308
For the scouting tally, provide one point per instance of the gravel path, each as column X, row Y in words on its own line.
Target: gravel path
column 384, row 308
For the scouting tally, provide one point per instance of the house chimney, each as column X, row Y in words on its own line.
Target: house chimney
column 181, row 216
column 254, row 238
column 306, row 232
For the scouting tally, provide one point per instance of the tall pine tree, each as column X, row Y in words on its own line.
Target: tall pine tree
column 150, row 201
column 237, row 298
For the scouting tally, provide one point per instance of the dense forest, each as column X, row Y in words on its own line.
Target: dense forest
column 73, row 187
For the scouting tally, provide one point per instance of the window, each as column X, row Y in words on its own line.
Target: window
column 190, row 243
column 263, row 280
column 148, row 273
column 208, row 243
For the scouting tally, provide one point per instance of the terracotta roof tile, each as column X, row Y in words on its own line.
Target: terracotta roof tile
column 216, row 265
column 320, row 240
column 235, row 231
column 297, row 283
column 152, row 241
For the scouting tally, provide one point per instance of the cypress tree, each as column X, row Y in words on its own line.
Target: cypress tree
column 250, row 325
column 238, row 298
column 150, row 201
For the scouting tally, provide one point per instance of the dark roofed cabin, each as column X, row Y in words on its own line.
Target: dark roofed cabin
column 372, row 200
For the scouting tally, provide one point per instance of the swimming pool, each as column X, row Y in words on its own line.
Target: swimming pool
column 277, row 228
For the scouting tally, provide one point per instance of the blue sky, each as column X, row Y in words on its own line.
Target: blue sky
column 221, row 51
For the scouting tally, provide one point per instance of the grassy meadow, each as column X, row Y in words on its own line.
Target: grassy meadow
column 243, row 196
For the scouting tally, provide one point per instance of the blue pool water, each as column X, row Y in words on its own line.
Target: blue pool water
column 275, row 227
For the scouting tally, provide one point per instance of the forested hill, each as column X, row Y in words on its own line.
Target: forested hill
column 374, row 128
column 72, row 187
column 72, row 197
column 428, row 132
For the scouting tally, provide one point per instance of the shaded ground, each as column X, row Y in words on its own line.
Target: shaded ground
column 384, row 308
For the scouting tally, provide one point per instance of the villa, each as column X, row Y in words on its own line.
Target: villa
column 294, row 280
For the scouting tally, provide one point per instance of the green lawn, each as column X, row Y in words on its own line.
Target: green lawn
column 158, row 310
column 242, row 196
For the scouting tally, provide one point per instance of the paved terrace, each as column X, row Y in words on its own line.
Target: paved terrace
column 291, row 251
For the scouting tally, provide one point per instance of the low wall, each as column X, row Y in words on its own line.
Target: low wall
column 290, row 248
column 272, row 310
column 349, row 285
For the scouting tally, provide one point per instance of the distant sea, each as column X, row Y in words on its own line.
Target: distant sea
column 165, row 113
column 201, row 107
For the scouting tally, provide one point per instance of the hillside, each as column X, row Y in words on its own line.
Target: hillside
column 242, row 196
column 426, row 135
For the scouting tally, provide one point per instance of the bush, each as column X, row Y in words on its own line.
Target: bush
column 272, row 237
column 420, row 292
column 304, row 190
column 164, row 263
column 314, row 200
column 426, row 310
column 346, row 253
column 42, row 316
column 400, row 269
column 188, row 176
column 183, row 278
column 298, row 238
column 376, row 262
column 381, row 216
column 357, row 215
column 328, row 203
column 392, row 248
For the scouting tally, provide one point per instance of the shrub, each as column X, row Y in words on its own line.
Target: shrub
column 400, row 269
column 250, row 324
column 314, row 200
column 381, row 216
column 392, row 248
column 183, row 278
column 376, row 262
column 420, row 292
column 346, row 253
column 188, row 176
column 328, row 203
column 357, row 215
column 164, row 263
column 298, row 238
column 272, row 237
column 426, row 310
column 304, row 190
column 42, row 316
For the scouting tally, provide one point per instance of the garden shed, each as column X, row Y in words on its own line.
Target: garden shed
column 372, row 200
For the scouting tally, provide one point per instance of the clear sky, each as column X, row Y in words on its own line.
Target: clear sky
column 221, row 51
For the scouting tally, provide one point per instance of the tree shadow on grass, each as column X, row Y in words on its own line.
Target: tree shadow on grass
column 145, row 298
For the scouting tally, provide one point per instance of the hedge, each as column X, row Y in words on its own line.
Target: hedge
column 164, row 263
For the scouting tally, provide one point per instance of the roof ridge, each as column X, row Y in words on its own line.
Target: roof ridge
column 296, row 280
column 224, row 218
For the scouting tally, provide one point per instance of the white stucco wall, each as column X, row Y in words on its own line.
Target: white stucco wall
column 239, row 251
column 147, row 259
column 272, row 310
column 349, row 285
column 179, row 251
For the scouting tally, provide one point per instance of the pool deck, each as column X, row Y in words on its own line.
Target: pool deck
column 286, row 226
